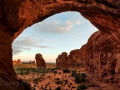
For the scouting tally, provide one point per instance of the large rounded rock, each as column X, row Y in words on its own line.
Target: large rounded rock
column 62, row 60
column 40, row 61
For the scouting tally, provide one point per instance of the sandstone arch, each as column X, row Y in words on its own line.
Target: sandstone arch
column 16, row 15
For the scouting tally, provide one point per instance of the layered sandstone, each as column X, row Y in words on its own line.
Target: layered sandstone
column 62, row 61
column 101, row 56
column 40, row 61
column 68, row 61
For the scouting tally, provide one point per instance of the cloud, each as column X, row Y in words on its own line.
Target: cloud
column 47, row 40
column 25, row 44
column 55, row 26
column 78, row 34
column 18, row 49
column 78, row 22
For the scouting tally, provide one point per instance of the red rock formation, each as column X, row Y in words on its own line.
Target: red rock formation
column 17, row 62
column 101, row 56
column 16, row 15
column 74, row 57
column 68, row 61
column 40, row 61
column 62, row 61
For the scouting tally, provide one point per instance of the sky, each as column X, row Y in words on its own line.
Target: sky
column 59, row 33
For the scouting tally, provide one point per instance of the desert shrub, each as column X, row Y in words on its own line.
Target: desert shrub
column 73, row 73
column 33, row 88
column 58, row 88
column 78, row 77
column 81, row 87
column 21, row 72
column 55, row 72
column 83, row 77
column 53, row 69
column 34, row 85
column 58, row 82
column 73, row 86
column 66, row 70
column 56, row 79
column 59, row 73
column 37, row 79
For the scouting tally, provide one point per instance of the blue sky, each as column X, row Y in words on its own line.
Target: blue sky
column 59, row 33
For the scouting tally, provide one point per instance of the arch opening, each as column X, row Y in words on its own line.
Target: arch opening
column 59, row 33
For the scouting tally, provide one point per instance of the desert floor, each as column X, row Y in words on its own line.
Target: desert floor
column 52, row 78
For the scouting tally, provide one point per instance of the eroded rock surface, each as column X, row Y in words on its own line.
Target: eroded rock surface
column 62, row 60
column 40, row 61
column 101, row 56
column 68, row 61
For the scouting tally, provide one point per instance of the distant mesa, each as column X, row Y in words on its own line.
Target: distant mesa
column 40, row 61
column 68, row 61
column 17, row 62
column 32, row 62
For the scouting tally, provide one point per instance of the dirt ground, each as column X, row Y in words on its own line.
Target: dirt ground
column 47, row 82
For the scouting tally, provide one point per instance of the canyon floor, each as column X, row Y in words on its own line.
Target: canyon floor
column 51, row 78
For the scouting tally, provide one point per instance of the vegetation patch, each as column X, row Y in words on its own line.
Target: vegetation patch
column 81, row 87
column 66, row 70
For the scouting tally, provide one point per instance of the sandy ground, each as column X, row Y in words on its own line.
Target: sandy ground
column 47, row 82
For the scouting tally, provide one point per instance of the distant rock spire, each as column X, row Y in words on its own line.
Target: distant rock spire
column 40, row 61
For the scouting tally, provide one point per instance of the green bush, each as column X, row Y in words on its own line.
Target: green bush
column 79, row 77
column 55, row 72
column 83, row 77
column 66, row 70
column 37, row 79
column 58, row 88
column 58, row 82
column 33, row 88
column 73, row 73
column 56, row 79
column 81, row 87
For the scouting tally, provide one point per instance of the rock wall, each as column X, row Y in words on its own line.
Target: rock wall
column 40, row 61
column 101, row 56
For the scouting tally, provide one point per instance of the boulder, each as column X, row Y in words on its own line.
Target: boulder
column 40, row 61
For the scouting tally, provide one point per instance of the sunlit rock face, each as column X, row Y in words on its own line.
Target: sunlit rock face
column 40, row 61
column 68, row 61
column 62, row 61
column 100, row 54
